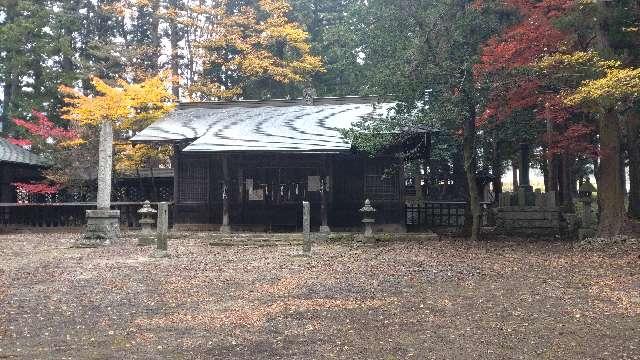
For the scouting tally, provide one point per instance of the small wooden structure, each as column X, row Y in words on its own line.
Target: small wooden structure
column 17, row 165
column 249, row 165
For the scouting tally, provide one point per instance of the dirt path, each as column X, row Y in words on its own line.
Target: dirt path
column 440, row 299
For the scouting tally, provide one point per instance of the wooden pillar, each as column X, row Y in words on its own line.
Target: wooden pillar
column 226, row 192
column 176, row 180
column 4, row 184
column 324, row 189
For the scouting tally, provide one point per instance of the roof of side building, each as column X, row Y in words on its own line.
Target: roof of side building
column 11, row 153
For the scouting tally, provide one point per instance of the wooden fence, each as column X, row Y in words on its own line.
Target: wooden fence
column 434, row 214
column 64, row 215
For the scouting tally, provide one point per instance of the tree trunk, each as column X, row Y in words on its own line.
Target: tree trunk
column 10, row 78
column 610, row 191
column 633, row 122
column 105, row 160
column 174, row 38
column 514, row 175
column 155, row 34
column 497, row 171
column 566, row 183
column 468, row 149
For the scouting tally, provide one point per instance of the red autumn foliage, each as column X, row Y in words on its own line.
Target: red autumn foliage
column 37, row 188
column 25, row 143
column 553, row 109
column 533, row 37
column 575, row 139
column 526, row 41
column 45, row 128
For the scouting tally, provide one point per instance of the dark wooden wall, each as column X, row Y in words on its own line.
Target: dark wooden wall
column 352, row 178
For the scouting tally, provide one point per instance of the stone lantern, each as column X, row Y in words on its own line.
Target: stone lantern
column 585, row 194
column 368, row 218
column 147, row 221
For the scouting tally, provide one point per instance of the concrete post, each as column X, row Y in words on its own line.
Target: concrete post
column 306, row 227
column 162, row 230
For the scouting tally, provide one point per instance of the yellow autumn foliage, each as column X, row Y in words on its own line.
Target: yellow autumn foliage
column 128, row 106
column 576, row 63
column 601, row 84
column 617, row 86
column 129, row 157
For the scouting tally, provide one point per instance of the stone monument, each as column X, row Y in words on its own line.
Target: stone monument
column 525, row 190
column 103, row 224
column 306, row 228
column 162, row 231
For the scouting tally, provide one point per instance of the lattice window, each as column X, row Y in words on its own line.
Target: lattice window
column 194, row 182
column 381, row 188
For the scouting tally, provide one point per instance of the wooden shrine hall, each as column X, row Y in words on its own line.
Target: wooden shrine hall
column 248, row 165
column 17, row 165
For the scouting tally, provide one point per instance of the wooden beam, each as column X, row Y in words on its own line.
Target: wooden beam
column 226, row 192
column 324, row 227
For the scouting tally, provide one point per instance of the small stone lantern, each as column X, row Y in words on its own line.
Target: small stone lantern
column 368, row 218
column 147, row 222
column 585, row 193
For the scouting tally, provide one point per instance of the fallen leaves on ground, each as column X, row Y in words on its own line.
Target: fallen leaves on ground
column 435, row 299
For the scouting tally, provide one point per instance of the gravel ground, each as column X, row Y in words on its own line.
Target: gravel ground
column 437, row 299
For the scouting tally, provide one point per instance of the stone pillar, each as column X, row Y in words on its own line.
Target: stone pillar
column 105, row 163
column 226, row 227
column 524, row 167
column 324, row 189
column 162, row 230
column 103, row 224
column 306, row 227
column 525, row 191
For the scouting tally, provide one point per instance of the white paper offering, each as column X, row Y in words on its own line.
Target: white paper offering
column 256, row 195
column 313, row 183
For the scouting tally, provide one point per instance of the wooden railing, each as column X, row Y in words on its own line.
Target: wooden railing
column 64, row 215
column 434, row 214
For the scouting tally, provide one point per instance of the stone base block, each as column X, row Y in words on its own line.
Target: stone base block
column 585, row 233
column 325, row 230
column 160, row 254
column 103, row 227
column 146, row 240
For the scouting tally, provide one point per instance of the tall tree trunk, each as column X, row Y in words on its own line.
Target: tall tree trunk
column 174, row 39
column 566, row 183
column 105, row 160
column 610, row 191
column 633, row 127
column 514, row 175
column 155, row 35
column 497, row 170
column 468, row 149
column 10, row 77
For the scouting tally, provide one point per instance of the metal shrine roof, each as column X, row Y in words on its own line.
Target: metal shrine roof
column 274, row 125
column 15, row 154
